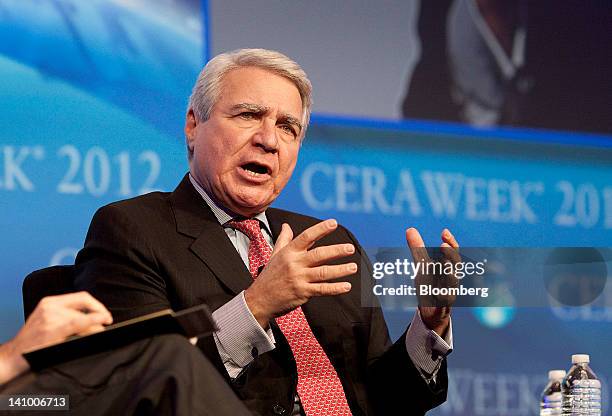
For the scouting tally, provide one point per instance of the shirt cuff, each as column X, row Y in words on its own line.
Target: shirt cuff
column 240, row 338
column 426, row 348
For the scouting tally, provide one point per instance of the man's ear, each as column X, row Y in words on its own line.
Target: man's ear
column 190, row 129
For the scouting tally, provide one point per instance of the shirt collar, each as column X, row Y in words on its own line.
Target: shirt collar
column 223, row 215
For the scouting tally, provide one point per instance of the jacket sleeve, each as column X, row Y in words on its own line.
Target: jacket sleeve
column 117, row 266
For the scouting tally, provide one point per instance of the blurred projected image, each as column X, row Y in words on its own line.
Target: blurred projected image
column 543, row 64
column 133, row 54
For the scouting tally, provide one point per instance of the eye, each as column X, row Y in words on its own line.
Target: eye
column 247, row 115
column 288, row 128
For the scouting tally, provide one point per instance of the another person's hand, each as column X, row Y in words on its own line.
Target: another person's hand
column 54, row 319
column 435, row 317
column 296, row 273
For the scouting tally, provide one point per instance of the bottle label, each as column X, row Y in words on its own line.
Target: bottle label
column 584, row 395
column 551, row 404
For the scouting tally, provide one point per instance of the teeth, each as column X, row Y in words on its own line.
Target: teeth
column 252, row 173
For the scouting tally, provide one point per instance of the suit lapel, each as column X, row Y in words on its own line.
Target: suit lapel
column 277, row 217
column 211, row 245
column 319, row 310
column 275, row 221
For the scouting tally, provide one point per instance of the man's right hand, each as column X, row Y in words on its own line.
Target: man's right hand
column 296, row 273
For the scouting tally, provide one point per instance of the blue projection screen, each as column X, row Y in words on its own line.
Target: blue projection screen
column 92, row 106
column 92, row 109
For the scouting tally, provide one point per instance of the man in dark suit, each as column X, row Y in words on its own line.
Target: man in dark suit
column 293, row 337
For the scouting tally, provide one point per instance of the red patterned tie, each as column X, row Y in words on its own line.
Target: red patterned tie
column 318, row 386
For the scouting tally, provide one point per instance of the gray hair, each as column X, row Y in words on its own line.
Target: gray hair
column 207, row 88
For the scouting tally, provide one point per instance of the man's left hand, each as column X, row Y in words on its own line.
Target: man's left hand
column 436, row 318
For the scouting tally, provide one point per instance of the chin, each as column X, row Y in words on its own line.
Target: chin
column 251, row 206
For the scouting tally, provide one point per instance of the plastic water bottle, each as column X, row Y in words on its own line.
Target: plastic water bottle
column 580, row 389
column 551, row 396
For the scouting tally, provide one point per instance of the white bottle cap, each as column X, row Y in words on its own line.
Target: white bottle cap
column 554, row 375
column 580, row 358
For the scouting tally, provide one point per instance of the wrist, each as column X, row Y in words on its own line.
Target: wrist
column 436, row 319
column 257, row 310
column 12, row 362
column 441, row 327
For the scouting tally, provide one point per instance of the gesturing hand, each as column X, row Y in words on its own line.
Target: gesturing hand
column 434, row 312
column 295, row 272
column 54, row 319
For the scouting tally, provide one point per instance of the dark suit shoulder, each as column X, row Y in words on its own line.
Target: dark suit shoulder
column 147, row 208
column 152, row 200
column 145, row 217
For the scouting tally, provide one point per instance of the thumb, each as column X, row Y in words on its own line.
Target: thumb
column 284, row 238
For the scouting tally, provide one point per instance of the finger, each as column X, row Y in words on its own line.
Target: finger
column 52, row 322
column 449, row 238
column 284, row 238
column 417, row 245
column 330, row 272
column 55, row 307
column 91, row 330
column 77, row 322
column 311, row 235
column 69, row 322
column 329, row 289
column 83, row 301
column 322, row 255
column 450, row 253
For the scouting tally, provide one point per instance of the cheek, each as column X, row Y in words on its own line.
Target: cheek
column 214, row 158
column 287, row 165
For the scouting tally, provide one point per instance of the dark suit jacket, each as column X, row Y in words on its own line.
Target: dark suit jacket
column 167, row 250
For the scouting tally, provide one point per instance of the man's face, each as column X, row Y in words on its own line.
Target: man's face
column 245, row 153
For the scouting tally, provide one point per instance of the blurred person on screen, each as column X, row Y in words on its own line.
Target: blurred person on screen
column 285, row 288
column 541, row 64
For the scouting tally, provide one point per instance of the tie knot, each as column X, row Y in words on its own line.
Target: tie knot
column 250, row 227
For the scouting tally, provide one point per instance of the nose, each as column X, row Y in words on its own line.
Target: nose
column 266, row 136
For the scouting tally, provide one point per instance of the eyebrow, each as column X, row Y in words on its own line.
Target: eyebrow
column 261, row 109
column 255, row 108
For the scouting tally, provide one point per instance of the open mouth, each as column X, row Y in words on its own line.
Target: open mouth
column 255, row 169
